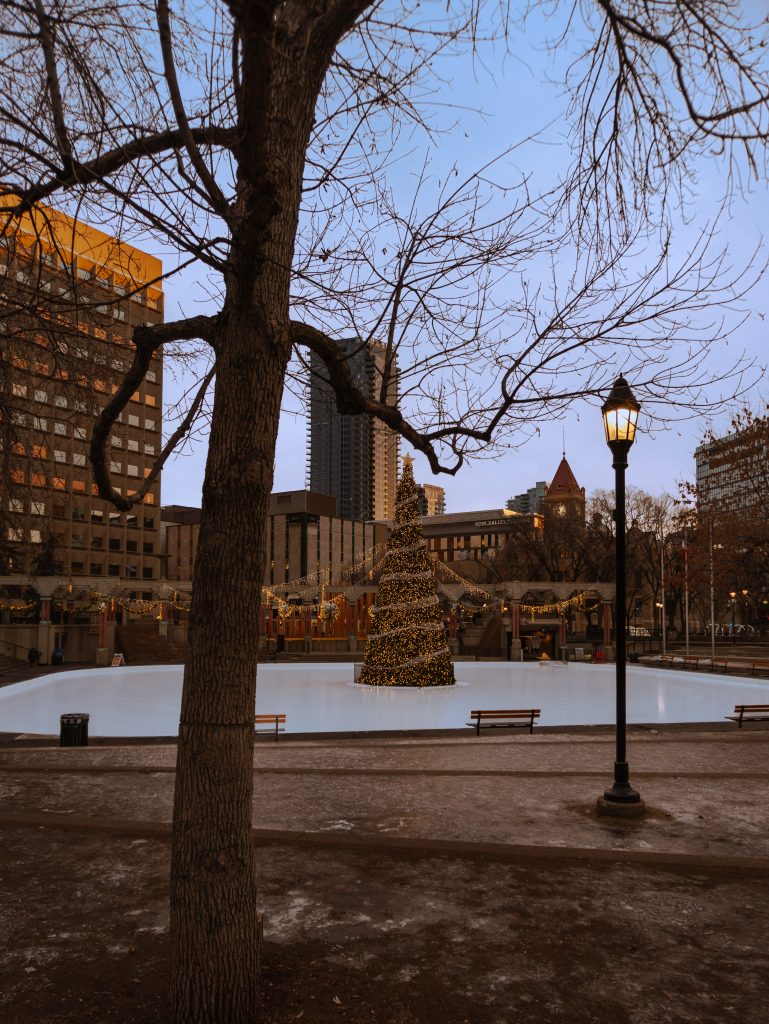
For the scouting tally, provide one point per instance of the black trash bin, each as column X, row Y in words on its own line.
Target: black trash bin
column 280, row 645
column 57, row 657
column 74, row 730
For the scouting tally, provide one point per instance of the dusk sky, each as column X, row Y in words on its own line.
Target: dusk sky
column 488, row 107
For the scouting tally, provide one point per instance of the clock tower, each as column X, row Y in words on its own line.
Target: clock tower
column 564, row 501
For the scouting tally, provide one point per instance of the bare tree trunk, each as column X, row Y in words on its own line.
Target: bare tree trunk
column 213, row 887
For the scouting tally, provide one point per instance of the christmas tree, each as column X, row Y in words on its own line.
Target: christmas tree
column 407, row 642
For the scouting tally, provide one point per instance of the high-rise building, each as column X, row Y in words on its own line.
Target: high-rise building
column 353, row 458
column 70, row 298
column 733, row 472
column 530, row 501
column 432, row 500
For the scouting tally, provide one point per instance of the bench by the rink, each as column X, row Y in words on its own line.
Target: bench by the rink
column 275, row 722
column 497, row 719
column 749, row 713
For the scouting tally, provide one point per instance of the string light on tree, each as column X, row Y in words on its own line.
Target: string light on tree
column 407, row 644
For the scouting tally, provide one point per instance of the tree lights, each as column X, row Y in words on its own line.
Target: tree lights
column 407, row 643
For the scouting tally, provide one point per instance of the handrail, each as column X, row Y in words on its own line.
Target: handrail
column 22, row 647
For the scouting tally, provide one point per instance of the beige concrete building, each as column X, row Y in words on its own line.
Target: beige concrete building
column 305, row 538
column 71, row 296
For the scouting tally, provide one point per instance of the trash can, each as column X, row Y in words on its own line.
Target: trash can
column 57, row 657
column 74, row 730
column 280, row 646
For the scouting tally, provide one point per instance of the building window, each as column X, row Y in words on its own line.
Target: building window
column 133, row 421
column 60, row 429
column 130, row 571
column 41, row 396
column 132, row 470
column 97, row 569
column 113, row 569
column 133, row 446
column 147, row 572
column 77, row 567
column 115, row 467
column 39, row 423
column 150, row 425
column 149, row 499
column 131, row 522
column 37, row 508
column 78, row 459
column 148, row 547
column 97, row 542
column 36, row 536
column 15, row 505
column 79, row 433
column 59, row 456
column 131, row 545
column 116, row 442
column 149, row 523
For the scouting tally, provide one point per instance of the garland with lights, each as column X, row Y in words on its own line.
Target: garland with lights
column 407, row 643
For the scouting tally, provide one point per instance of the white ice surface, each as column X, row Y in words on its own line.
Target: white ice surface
column 144, row 701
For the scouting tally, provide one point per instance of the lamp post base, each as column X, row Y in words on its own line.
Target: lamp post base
column 612, row 809
column 621, row 800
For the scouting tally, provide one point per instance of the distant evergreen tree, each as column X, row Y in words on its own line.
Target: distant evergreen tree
column 407, row 643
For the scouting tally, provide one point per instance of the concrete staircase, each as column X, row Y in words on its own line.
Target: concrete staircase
column 142, row 644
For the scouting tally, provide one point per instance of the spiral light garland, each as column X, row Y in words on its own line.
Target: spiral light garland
column 407, row 643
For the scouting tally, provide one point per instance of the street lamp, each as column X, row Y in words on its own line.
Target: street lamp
column 620, row 418
column 733, row 596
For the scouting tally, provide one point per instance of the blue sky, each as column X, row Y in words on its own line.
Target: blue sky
column 487, row 107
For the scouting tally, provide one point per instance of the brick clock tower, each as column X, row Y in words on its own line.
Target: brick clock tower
column 564, row 502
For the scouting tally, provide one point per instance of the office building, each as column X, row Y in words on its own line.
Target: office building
column 304, row 535
column 432, row 500
column 529, row 501
column 353, row 458
column 733, row 473
column 71, row 296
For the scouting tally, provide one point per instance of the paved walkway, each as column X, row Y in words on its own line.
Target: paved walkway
column 705, row 792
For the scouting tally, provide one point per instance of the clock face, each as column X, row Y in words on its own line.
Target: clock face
column 560, row 510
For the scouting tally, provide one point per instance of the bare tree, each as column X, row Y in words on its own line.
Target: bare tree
column 252, row 137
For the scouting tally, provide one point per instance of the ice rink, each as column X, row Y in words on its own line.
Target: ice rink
column 144, row 700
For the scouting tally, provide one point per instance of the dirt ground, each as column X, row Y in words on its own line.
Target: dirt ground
column 363, row 936
column 532, row 911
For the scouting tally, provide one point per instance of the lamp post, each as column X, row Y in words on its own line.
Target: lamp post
column 620, row 418
column 733, row 596
column 745, row 611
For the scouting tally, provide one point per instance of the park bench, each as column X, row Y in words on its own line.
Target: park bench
column 749, row 713
column 275, row 722
column 519, row 718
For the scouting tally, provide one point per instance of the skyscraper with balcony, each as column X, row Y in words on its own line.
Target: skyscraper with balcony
column 353, row 458
column 70, row 298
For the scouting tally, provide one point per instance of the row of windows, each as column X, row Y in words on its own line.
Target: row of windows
column 113, row 569
column 61, row 401
column 58, row 483
column 114, row 544
column 96, row 515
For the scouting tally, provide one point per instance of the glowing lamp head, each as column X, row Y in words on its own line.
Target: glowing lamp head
column 620, row 416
